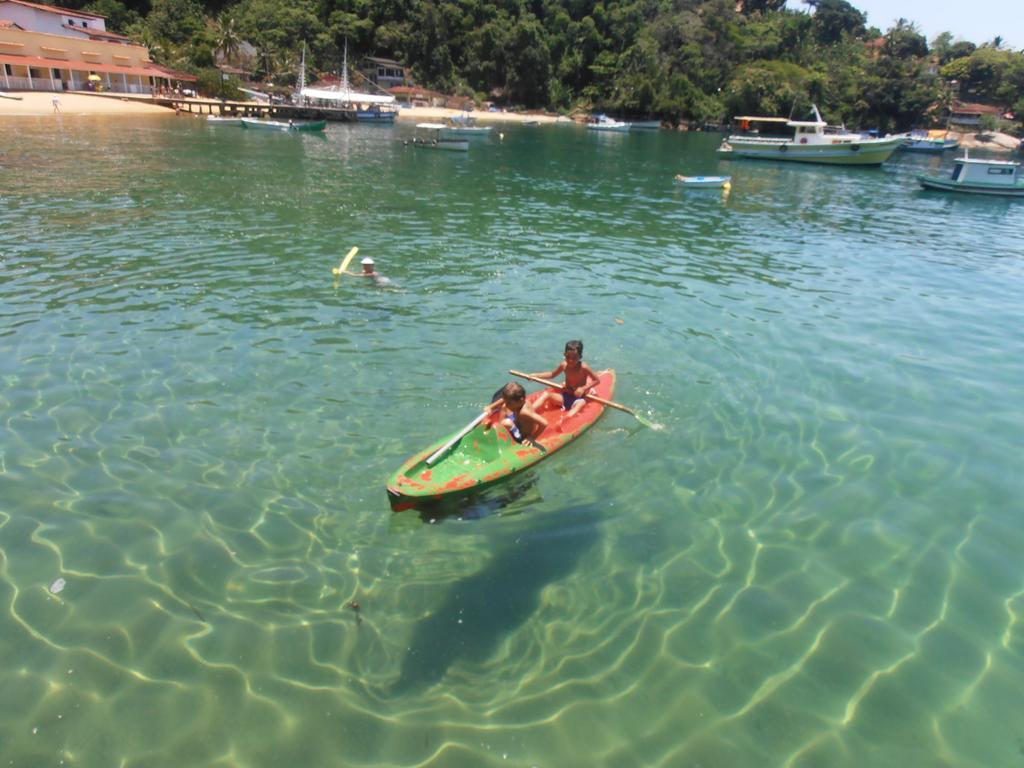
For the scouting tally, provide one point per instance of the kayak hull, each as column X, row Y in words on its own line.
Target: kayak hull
column 488, row 454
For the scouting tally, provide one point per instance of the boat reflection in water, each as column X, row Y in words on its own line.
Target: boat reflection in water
column 511, row 497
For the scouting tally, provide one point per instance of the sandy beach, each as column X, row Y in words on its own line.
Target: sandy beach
column 37, row 103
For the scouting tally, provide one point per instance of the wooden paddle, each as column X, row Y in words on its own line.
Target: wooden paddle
column 595, row 398
column 346, row 261
column 462, row 433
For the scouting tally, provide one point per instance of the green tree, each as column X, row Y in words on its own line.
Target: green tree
column 119, row 16
column 175, row 21
column 904, row 41
column 835, row 18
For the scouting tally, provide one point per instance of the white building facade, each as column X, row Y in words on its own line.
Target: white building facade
column 49, row 48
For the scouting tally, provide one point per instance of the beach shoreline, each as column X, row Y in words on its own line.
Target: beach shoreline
column 40, row 104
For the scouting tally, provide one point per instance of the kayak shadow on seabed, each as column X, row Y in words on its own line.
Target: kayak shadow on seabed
column 511, row 497
column 479, row 611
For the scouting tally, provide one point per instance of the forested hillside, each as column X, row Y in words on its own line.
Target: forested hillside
column 699, row 60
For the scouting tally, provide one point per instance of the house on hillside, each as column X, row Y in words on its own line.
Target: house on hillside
column 969, row 115
column 384, row 73
column 49, row 48
column 414, row 96
column 242, row 74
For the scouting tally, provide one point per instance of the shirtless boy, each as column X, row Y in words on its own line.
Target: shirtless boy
column 579, row 379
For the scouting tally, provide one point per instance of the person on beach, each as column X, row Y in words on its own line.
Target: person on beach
column 580, row 379
column 523, row 423
column 56, row 103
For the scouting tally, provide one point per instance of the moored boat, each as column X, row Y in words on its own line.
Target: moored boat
column 928, row 142
column 704, row 181
column 280, row 125
column 376, row 113
column 431, row 136
column 464, row 127
column 979, row 177
column 605, row 123
column 812, row 142
column 487, row 454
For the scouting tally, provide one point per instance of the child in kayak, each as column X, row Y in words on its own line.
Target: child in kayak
column 579, row 380
column 519, row 418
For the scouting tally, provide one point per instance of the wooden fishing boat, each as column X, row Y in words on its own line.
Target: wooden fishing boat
column 979, row 177
column 483, row 454
column 704, row 181
column 928, row 142
column 812, row 142
column 279, row 125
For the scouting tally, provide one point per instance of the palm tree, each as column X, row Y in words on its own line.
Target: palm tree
column 228, row 41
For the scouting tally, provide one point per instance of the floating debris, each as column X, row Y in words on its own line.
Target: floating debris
column 355, row 606
column 197, row 613
column 58, row 586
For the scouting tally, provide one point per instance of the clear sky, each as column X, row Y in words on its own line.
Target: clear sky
column 977, row 22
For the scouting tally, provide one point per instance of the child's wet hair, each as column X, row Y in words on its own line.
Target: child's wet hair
column 513, row 391
column 575, row 346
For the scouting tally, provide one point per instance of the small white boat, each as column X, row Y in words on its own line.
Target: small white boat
column 464, row 126
column 979, row 177
column 705, row 181
column 431, row 136
column 214, row 120
column 605, row 123
column 279, row 125
column 929, row 142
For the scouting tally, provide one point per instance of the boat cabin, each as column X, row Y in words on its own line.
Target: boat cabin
column 1002, row 173
column 748, row 125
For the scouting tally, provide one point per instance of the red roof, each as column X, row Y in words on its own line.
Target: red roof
column 979, row 109
column 100, row 34
column 412, row 90
column 54, row 9
column 149, row 70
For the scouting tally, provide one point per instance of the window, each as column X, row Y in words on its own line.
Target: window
column 1000, row 171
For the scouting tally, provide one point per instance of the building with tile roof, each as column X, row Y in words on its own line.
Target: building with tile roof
column 49, row 48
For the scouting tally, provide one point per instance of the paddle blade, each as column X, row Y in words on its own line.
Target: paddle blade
column 649, row 424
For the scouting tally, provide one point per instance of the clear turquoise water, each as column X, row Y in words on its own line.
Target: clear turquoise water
column 817, row 562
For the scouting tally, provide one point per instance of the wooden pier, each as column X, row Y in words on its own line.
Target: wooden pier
column 254, row 109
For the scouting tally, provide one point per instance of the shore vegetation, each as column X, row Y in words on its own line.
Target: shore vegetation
column 692, row 61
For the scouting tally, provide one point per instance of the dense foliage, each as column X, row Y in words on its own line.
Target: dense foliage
column 698, row 60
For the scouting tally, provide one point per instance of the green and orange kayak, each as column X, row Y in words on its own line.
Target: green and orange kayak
column 487, row 454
